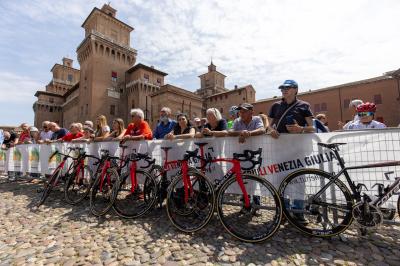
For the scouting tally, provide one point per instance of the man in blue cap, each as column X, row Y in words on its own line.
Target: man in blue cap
column 290, row 115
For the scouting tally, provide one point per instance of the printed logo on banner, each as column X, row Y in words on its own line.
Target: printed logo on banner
column 34, row 158
column 294, row 164
column 17, row 160
column 55, row 160
column 3, row 158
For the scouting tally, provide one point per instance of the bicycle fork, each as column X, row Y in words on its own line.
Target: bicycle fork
column 106, row 166
column 239, row 180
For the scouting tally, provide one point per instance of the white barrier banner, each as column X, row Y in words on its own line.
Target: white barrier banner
column 3, row 160
column 279, row 156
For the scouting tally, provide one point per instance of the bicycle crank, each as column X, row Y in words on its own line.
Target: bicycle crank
column 367, row 215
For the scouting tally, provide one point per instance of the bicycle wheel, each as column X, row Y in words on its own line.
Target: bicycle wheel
column 398, row 206
column 328, row 214
column 77, row 188
column 194, row 214
column 134, row 204
column 254, row 224
column 102, row 196
column 48, row 187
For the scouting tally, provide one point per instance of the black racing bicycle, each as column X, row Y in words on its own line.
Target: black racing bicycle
column 318, row 203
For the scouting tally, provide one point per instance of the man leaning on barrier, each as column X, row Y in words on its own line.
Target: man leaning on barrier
column 290, row 115
column 247, row 124
column 165, row 125
column 138, row 129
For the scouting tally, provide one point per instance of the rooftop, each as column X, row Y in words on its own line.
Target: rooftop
column 152, row 69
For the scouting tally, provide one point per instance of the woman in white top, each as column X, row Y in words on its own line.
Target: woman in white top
column 102, row 129
column 366, row 113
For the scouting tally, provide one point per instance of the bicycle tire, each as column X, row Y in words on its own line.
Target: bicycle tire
column 257, row 223
column 102, row 201
column 335, row 203
column 398, row 206
column 185, row 216
column 49, row 186
column 75, row 193
column 133, row 205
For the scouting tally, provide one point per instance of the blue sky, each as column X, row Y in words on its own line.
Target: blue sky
column 317, row 43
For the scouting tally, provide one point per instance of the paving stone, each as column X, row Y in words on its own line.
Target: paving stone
column 58, row 234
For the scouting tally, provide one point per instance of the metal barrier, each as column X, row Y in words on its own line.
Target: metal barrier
column 366, row 147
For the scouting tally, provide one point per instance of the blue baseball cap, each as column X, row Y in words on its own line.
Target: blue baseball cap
column 289, row 83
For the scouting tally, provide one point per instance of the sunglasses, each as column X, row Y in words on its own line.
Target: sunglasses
column 361, row 114
column 286, row 88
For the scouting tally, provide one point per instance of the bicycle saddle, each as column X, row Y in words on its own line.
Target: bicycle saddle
column 331, row 145
column 201, row 144
column 191, row 154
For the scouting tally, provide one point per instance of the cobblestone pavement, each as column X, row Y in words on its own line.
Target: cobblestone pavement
column 58, row 234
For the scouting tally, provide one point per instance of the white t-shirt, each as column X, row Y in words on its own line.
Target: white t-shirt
column 46, row 135
column 372, row 124
column 355, row 119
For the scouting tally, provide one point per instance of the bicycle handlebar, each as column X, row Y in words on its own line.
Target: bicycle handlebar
column 142, row 156
column 246, row 156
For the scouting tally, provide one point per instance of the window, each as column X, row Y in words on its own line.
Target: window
column 346, row 103
column 112, row 109
column 317, row 108
column 226, row 96
column 70, row 77
column 51, row 100
column 240, row 92
column 221, row 110
column 324, row 107
column 87, row 108
column 51, row 109
column 377, row 99
column 146, row 77
column 159, row 80
column 81, row 110
column 114, row 76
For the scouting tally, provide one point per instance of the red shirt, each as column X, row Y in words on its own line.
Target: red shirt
column 71, row 136
column 23, row 137
column 142, row 129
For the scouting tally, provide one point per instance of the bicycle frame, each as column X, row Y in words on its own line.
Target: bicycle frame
column 235, row 170
column 355, row 190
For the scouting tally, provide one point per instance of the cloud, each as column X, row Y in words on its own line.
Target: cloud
column 318, row 43
column 18, row 89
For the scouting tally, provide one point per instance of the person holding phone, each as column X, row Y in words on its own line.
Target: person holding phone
column 290, row 115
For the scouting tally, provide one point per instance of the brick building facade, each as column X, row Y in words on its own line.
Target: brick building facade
column 334, row 101
column 110, row 83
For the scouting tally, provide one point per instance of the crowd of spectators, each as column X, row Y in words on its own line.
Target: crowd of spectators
column 289, row 115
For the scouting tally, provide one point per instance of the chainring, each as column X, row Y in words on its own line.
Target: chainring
column 367, row 215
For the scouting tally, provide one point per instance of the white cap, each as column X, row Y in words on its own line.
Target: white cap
column 355, row 103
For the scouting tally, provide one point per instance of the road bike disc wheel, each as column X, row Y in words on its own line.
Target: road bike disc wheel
column 77, row 188
column 328, row 214
column 48, row 186
column 194, row 214
column 102, row 197
column 257, row 222
column 134, row 204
